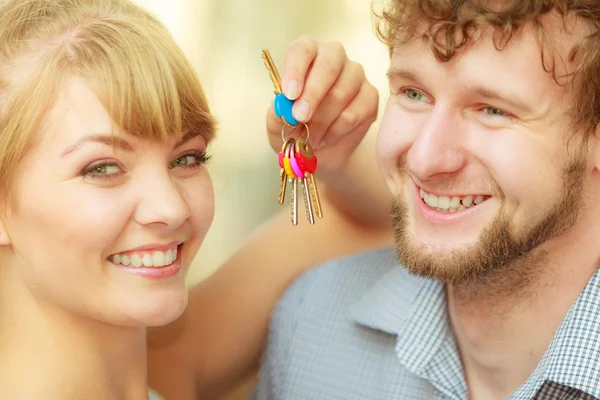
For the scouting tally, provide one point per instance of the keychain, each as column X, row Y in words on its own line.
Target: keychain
column 296, row 158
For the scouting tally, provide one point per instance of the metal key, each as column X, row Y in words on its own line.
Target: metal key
column 282, row 173
column 283, row 187
column 294, row 183
column 281, row 104
column 309, row 163
column 273, row 73
column 299, row 172
column 307, row 194
column 315, row 195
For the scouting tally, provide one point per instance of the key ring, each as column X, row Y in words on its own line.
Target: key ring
column 307, row 133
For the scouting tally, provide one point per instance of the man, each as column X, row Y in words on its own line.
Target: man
column 489, row 145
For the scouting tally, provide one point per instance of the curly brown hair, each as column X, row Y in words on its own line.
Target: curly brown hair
column 449, row 25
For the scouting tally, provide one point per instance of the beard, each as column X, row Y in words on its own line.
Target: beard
column 500, row 257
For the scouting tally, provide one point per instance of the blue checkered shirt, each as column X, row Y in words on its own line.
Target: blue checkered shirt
column 362, row 328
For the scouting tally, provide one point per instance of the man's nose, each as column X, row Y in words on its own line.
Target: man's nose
column 437, row 148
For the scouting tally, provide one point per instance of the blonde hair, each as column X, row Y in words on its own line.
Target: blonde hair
column 125, row 54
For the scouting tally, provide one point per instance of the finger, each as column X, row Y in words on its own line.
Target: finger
column 337, row 156
column 337, row 99
column 361, row 110
column 298, row 58
column 325, row 70
column 275, row 127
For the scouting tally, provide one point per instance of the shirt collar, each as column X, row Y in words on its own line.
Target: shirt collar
column 573, row 357
column 414, row 309
column 389, row 303
column 424, row 333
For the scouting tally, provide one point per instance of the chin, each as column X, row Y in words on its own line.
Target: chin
column 421, row 234
column 443, row 243
column 156, row 311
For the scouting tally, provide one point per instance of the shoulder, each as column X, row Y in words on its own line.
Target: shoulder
column 328, row 292
column 339, row 278
column 335, row 316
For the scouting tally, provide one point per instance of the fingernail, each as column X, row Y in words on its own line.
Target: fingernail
column 292, row 90
column 321, row 144
column 301, row 110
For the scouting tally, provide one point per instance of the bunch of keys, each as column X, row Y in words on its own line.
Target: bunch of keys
column 298, row 163
column 296, row 158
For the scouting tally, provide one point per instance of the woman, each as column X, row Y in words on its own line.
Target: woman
column 105, row 196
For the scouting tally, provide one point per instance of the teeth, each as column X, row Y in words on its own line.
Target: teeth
column 443, row 202
column 158, row 259
column 467, row 201
column 154, row 259
column 455, row 202
column 147, row 260
column 450, row 204
column 136, row 260
column 432, row 200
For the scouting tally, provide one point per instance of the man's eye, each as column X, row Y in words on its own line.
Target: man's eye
column 415, row 95
column 494, row 112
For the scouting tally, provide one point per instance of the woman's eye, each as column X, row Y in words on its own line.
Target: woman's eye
column 102, row 170
column 190, row 160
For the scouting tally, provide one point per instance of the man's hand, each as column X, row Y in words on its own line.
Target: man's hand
column 333, row 97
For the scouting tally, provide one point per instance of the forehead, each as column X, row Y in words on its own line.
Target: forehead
column 77, row 111
column 517, row 64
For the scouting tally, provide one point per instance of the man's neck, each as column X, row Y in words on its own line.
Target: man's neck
column 502, row 336
column 49, row 353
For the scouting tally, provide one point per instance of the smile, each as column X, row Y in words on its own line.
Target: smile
column 450, row 204
column 146, row 258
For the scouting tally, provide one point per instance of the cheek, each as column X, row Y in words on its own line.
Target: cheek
column 199, row 196
column 528, row 170
column 396, row 135
column 85, row 218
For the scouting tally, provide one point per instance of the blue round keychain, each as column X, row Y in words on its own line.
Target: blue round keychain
column 283, row 108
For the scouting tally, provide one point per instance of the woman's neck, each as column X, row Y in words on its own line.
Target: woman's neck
column 50, row 353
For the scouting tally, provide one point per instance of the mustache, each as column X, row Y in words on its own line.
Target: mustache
column 454, row 183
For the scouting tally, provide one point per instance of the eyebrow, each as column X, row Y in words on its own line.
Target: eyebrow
column 511, row 99
column 506, row 97
column 102, row 138
column 402, row 73
column 109, row 140
column 186, row 138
